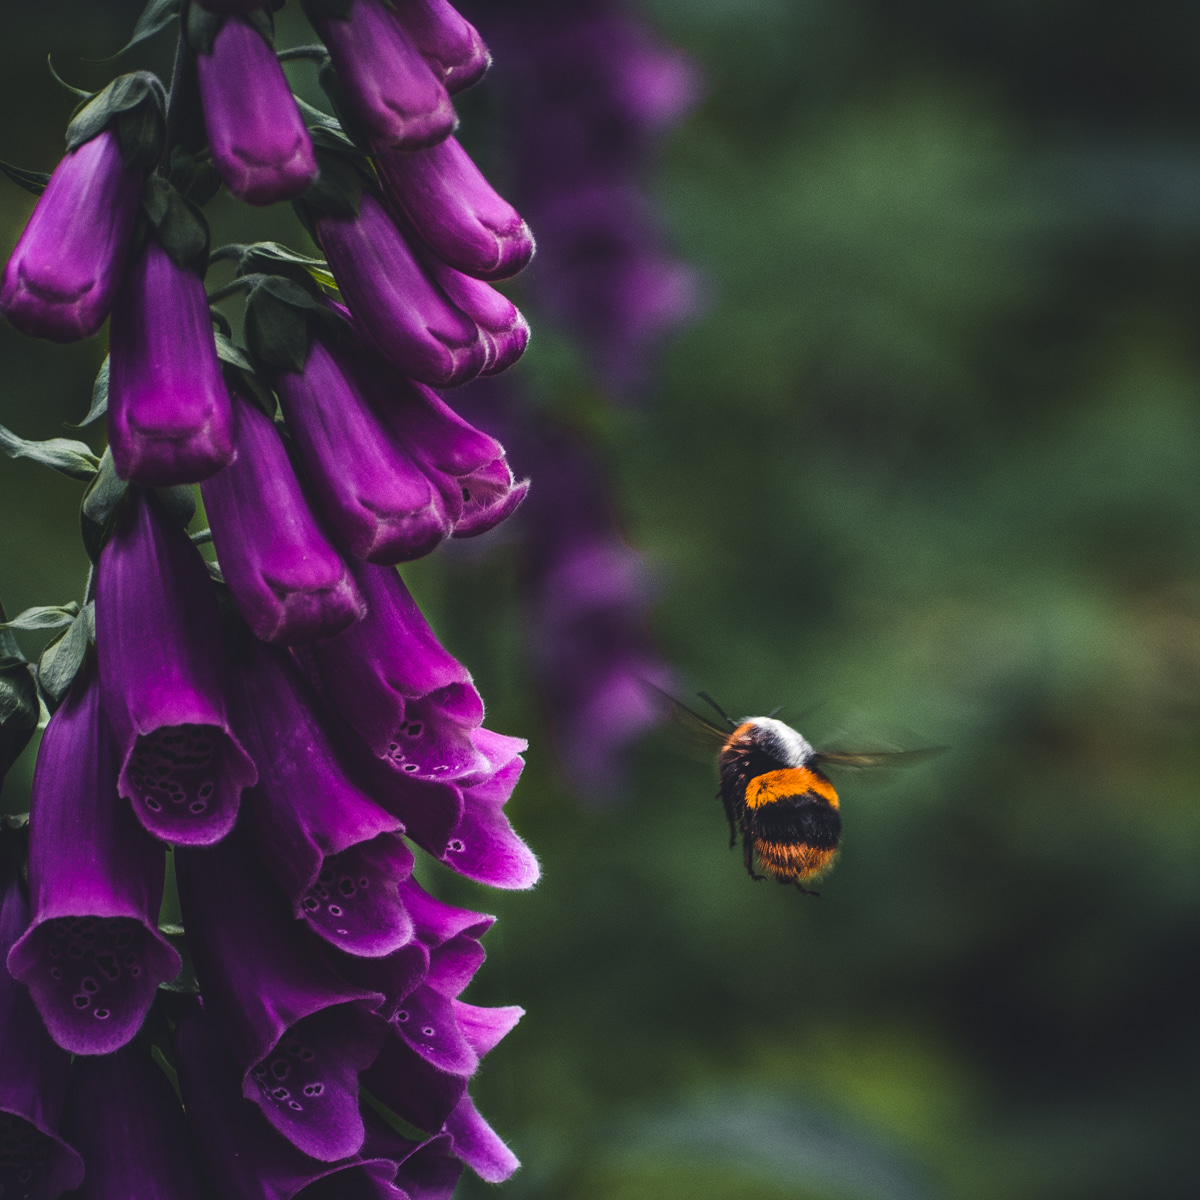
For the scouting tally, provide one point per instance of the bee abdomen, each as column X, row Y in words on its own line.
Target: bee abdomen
column 797, row 820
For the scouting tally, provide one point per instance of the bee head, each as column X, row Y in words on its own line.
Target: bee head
column 776, row 739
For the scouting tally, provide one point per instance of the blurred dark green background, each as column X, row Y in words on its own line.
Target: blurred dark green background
column 928, row 471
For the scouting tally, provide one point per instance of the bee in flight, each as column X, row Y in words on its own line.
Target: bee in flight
column 776, row 795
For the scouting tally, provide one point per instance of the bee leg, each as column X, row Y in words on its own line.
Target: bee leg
column 748, row 858
column 805, row 891
column 730, row 818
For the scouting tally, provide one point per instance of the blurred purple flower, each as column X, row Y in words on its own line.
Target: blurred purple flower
column 259, row 143
column 169, row 418
column 128, row 1124
column 162, row 671
column 289, row 582
column 63, row 275
column 35, row 1160
column 92, row 956
column 393, row 92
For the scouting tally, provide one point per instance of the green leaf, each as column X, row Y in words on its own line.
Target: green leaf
column 156, row 16
column 19, row 709
column 100, row 501
column 235, row 356
column 201, row 29
column 70, row 458
column 277, row 324
column 337, row 189
column 83, row 96
column 179, row 226
column 269, row 256
column 61, row 660
column 51, row 616
column 177, row 503
column 138, row 102
column 241, row 376
column 194, row 175
column 99, row 397
column 31, row 181
column 316, row 10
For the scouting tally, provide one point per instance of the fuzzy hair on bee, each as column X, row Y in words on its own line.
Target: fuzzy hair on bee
column 775, row 794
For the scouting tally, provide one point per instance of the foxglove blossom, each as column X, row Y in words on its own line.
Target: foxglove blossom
column 299, row 1033
column 448, row 42
column 258, row 139
column 289, row 582
column 170, row 419
column 391, row 90
column 127, row 1122
column 374, row 498
column 92, row 956
column 35, row 1160
column 162, row 671
column 336, row 854
column 63, row 276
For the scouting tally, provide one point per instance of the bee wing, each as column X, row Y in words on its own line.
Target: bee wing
column 697, row 732
column 873, row 760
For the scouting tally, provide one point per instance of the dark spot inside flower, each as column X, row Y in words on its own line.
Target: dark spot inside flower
column 346, row 887
column 335, row 910
column 410, row 766
column 81, row 1001
column 55, row 951
column 153, row 805
column 101, row 1014
column 259, row 1072
column 280, row 1068
column 326, row 875
column 314, row 1089
column 306, row 1055
column 206, row 790
column 394, row 746
column 455, row 846
column 413, row 728
column 280, row 1093
column 401, row 1015
column 364, row 882
column 311, row 903
column 55, row 974
column 135, row 971
column 466, row 496
column 427, row 1031
column 108, row 966
column 197, row 807
column 89, row 985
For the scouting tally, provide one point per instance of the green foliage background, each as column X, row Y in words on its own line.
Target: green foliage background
column 927, row 471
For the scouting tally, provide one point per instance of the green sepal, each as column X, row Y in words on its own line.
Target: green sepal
column 19, row 709
column 177, row 503
column 202, row 537
column 201, row 28
column 331, row 85
column 98, row 512
column 242, row 378
column 156, row 16
column 99, row 397
column 272, row 258
column 194, row 175
column 137, row 104
column 179, row 226
column 61, row 660
column 31, row 181
column 185, row 982
column 221, row 321
column 46, row 616
column 70, row 458
column 337, row 190
column 278, row 313
column 317, row 10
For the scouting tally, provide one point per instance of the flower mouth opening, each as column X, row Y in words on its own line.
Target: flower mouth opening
column 52, row 294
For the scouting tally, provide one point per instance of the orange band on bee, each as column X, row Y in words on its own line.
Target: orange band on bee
column 793, row 781
column 794, row 861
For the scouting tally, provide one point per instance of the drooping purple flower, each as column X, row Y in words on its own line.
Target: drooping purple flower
column 478, row 1144
column 92, row 956
column 447, row 42
column 63, row 275
column 299, row 1033
column 128, row 1124
column 170, row 419
column 161, row 668
column 392, row 90
column 289, row 582
column 259, row 142
column 249, row 1160
column 374, row 498
column 455, row 211
column 35, row 1161
column 336, row 854
column 396, row 302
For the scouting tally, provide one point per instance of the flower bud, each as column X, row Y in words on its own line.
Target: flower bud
column 500, row 322
column 259, row 143
column 289, row 582
column 62, row 277
column 449, row 43
column 169, row 419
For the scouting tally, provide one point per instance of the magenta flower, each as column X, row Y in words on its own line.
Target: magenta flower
column 374, row 498
column 249, row 1160
column 336, row 854
column 34, row 1159
column 162, row 672
column 298, row 1032
column 64, row 273
column 392, row 90
column 447, row 42
column 500, row 322
column 169, row 419
column 455, row 210
column 396, row 302
column 128, row 1124
column 258, row 139
column 289, row 582
column 92, row 956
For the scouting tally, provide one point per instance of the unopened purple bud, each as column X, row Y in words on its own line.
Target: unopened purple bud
column 162, row 669
column 393, row 91
column 64, row 273
column 374, row 498
column 92, row 957
column 128, row 1124
column 295, row 1028
column 449, row 43
column 396, row 687
column 500, row 321
column 34, row 1160
column 169, row 418
column 259, row 143
column 289, row 582
column 334, row 851
column 397, row 303
column 455, row 210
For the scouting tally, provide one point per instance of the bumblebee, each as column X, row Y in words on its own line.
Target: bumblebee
column 776, row 795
